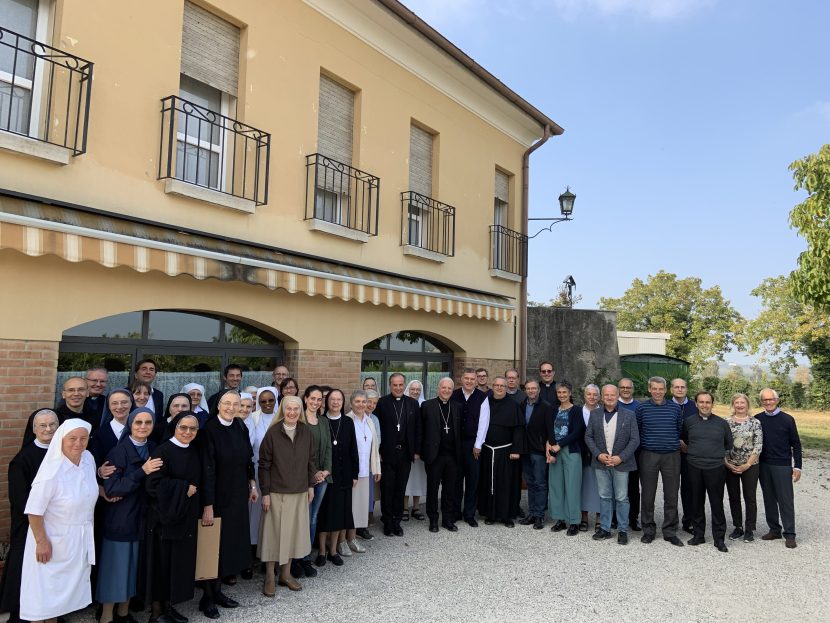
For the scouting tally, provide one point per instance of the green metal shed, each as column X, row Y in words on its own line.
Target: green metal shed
column 640, row 367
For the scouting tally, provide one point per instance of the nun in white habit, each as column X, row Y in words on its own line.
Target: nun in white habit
column 258, row 423
column 60, row 547
column 416, row 486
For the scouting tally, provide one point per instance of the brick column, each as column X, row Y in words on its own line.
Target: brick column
column 494, row 367
column 337, row 368
column 28, row 370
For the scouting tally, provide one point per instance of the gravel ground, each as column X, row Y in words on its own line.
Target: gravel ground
column 493, row 573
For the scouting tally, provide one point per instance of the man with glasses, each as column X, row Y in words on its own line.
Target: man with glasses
column 513, row 390
column 483, row 380
column 627, row 401
column 780, row 467
column 73, row 394
column 547, row 386
column 96, row 386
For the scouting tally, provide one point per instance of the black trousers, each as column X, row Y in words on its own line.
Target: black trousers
column 393, row 486
column 777, row 487
column 746, row 483
column 442, row 472
column 707, row 483
column 652, row 466
column 685, row 492
column 466, row 483
column 634, row 492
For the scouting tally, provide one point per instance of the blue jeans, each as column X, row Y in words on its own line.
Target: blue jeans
column 313, row 509
column 536, row 476
column 613, row 487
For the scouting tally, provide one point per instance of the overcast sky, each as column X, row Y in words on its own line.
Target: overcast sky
column 681, row 118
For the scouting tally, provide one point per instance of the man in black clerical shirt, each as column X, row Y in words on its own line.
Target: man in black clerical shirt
column 441, row 452
column 96, row 385
column 73, row 393
column 400, row 434
column 547, row 385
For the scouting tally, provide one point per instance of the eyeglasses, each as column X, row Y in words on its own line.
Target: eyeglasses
column 45, row 426
column 187, row 429
column 499, row 385
column 626, row 387
column 95, row 381
column 546, row 371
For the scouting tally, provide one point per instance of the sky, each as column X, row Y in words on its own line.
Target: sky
column 681, row 118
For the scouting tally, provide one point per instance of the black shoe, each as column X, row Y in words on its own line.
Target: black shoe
column 297, row 569
column 175, row 616
column 229, row 580
column 397, row 531
column 224, row 601
column 162, row 618
column 212, row 612
column 737, row 533
column 527, row 521
column 417, row 515
column 696, row 540
column 335, row 559
column 748, row 536
column 471, row 521
column 433, row 525
column 320, row 561
column 538, row 523
column 127, row 618
column 622, row 538
column 364, row 534
column 558, row 526
column 522, row 515
column 635, row 525
column 405, row 516
column 388, row 530
column 573, row 530
column 308, row 569
column 647, row 538
column 687, row 527
column 246, row 574
column 449, row 525
column 509, row 523
column 674, row 541
column 721, row 546
column 601, row 535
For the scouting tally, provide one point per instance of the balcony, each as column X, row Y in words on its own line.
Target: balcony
column 508, row 253
column 427, row 227
column 44, row 99
column 341, row 200
column 208, row 156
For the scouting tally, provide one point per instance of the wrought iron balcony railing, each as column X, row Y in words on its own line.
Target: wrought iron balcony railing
column 44, row 92
column 340, row 194
column 427, row 223
column 508, row 250
column 201, row 147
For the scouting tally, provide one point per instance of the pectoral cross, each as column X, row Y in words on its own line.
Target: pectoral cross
column 399, row 427
column 447, row 429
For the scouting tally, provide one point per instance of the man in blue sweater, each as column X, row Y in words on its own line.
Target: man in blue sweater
column 660, row 422
column 780, row 467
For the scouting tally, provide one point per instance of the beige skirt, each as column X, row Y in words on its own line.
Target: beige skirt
column 360, row 502
column 283, row 533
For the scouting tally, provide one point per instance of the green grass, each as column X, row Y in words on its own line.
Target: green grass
column 813, row 426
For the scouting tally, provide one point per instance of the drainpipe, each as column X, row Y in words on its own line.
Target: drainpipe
column 525, row 215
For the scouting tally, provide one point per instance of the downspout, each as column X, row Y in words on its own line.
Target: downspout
column 525, row 215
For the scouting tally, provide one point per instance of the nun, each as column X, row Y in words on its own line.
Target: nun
column 22, row 470
column 416, row 486
column 257, row 424
column 123, row 521
column 60, row 549
column 163, row 426
column 198, row 400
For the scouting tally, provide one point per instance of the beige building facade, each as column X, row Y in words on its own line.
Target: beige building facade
column 327, row 184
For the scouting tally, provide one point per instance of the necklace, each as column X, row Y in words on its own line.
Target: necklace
column 337, row 434
column 398, row 415
column 363, row 427
column 446, row 419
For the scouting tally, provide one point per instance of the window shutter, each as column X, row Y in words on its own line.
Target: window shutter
column 420, row 161
column 210, row 49
column 335, row 121
column 502, row 187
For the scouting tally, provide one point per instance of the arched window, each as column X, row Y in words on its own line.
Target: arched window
column 188, row 348
column 413, row 354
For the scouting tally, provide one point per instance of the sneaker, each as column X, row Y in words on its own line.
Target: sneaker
column 356, row 547
column 748, row 536
column 622, row 538
column 737, row 533
column 343, row 549
column 601, row 535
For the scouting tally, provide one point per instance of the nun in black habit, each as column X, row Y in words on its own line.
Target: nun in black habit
column 22, row 470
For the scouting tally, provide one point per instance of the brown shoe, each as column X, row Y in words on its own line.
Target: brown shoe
column 790, row 542
column 268, row 587
column 771, row 536
column 291, row 584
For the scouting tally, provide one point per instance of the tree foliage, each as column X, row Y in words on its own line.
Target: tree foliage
column 702, row 323
column 811, row 217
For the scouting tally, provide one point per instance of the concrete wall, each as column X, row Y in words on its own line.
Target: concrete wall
column 581, row 343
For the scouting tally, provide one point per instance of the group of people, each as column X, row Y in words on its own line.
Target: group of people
column 124, row 480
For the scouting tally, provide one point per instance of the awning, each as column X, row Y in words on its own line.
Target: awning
column 39, row 229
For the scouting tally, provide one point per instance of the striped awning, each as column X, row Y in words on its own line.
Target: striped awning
column 40, row 229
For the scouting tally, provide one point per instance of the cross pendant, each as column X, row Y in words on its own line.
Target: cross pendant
column 399, row 428
column 364, row 437
column 447, row 429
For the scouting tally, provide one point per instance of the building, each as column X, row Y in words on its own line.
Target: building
column 640, row 342
column 328, row 184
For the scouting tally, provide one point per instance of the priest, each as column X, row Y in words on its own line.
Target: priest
column 498, row 486
column 441, row 452
column 22, row 470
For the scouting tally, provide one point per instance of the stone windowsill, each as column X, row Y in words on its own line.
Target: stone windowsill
column 316, row 224
column 424, row 254
column 184, row 189
column 503, row 274
column 36, row 149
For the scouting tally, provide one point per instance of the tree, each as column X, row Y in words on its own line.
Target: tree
column 811, row 217
column 701, row 322
column 787, row 329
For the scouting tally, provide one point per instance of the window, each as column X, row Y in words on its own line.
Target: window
column 335, row 131
column 19, row 86
column 500, row 206
column 199, row 137
column 415, row 355
column 420, row 181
